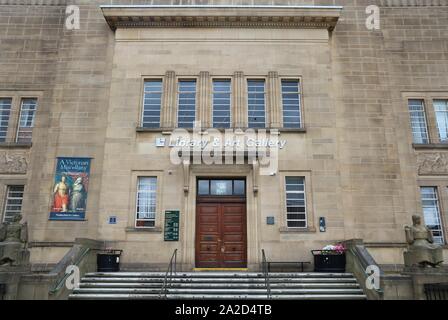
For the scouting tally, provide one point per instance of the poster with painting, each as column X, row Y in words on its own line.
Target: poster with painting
column 70, row 189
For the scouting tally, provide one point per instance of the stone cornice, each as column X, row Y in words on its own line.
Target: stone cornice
column 413, row 3
column 276, row 17
column 34, row 2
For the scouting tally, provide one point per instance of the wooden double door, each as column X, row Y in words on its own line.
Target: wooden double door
column 221, row 240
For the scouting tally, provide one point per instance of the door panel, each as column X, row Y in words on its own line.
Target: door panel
column 221, row 235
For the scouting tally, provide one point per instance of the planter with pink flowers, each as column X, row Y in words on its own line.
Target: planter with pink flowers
column 329, row 259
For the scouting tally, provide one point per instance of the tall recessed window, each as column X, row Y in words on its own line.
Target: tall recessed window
column 5, row 111
column 256, row 109
column 295, row 202
column 418, row 121
column 26, row 120
column 186, row 107
column 152, row 101
column 441, row 110
column 431, row 212
column 13, row 203
column 221, row 103
column 146, row 202
column 291, row 103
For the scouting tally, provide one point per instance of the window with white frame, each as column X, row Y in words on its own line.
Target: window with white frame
column 5, row 111
column 441, row 110
column 291, row 103
column 222, row 91
column 13, row 202
column 26, row 120
column 256, row 108
column 152, row 102
column 186, row 106
column 295, row 202
column 418, row 120
column 146, row 201
column 431, row 212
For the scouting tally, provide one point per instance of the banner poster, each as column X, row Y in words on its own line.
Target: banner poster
column 70, row 189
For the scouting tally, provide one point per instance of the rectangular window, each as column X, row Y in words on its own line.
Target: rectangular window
column 295, row 202
column 13, row 203
column 186, row 107
column 26, row 120
column 152, row 102
column 221, row 103
column 5, row 111
column 441, row 110
column 291, row 103
column 146, row 201
column 418, row 120
column 256, row 109
column 431, row 212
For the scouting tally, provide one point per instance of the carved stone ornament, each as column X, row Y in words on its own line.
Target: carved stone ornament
column 432, row 163
column 13, row 162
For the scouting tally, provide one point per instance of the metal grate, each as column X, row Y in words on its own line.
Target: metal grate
column 436, row 291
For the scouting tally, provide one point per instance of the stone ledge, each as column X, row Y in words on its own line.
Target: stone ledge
column 224, row 16
column 297, row 230
column 144, row 230
column 34, row 2
column 21, row 145
column 430, row 145
column 413, row 3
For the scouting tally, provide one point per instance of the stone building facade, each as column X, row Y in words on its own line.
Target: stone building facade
column 371, row 141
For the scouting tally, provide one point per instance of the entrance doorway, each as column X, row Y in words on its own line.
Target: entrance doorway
column 221, row 240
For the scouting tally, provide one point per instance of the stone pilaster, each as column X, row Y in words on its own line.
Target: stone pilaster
column 169, row 100
column 273, row 112
column 239, row 105
column 204, row 105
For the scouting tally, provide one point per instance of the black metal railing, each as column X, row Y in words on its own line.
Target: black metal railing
column 265, row 269
column 436, row 291
column 168, row 280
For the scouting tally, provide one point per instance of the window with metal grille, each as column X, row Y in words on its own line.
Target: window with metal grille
column 5, row 111
column 186, row 107
column 295, row 202
column 291, row 103
column 221, row 103
column 152, row 102
column 13, row 202
column 431, row 212
column 146, row 202
column 418, row 120
column 256, row 109
column 26, row 120
column 441, row 110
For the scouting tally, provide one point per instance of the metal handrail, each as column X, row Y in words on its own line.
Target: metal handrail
column 264, row 266
column 170, row 270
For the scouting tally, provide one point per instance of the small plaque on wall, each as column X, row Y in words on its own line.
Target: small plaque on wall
column 171, row 230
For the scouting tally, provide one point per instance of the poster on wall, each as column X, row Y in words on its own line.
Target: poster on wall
column 70, row 189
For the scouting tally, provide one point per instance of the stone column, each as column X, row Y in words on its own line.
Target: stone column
column 273, row 112
column 169, row 100
column 204, row 105
column 239, row 99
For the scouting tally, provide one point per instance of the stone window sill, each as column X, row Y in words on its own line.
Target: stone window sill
column 169, row 130
column 297, row 230
column 16, row 145
column 430, row 145
column 144, row 230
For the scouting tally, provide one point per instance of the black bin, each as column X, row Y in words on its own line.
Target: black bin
column 108, row 261
column 325, row 261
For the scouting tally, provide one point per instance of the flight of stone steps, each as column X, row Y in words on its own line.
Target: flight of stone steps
column 218, row 285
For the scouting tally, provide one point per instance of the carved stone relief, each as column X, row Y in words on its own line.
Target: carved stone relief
column 432, row 163
column 13, row 162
